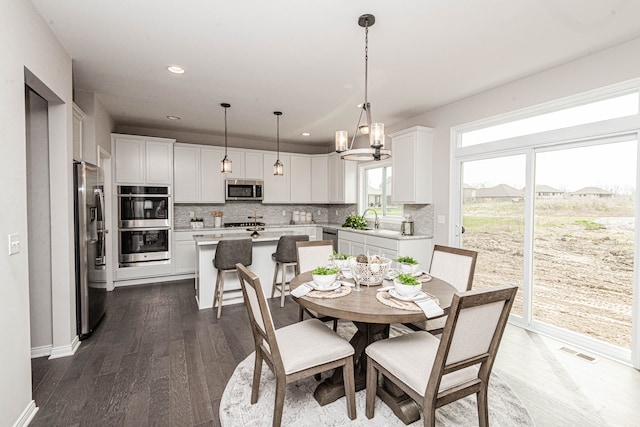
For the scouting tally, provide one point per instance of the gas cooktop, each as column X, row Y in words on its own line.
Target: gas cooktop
column 243, row 224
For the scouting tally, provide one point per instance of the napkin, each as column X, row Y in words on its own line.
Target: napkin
column 428, row 305
column 302, row 290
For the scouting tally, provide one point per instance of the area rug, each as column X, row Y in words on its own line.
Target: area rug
column 301, row 409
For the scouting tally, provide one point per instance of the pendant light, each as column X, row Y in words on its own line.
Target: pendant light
column 278, row 167
column 376, row 150
column 226, row 164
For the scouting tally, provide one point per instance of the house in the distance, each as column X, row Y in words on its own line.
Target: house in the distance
column 547, row 192
column 501, row 192
column 592, row 192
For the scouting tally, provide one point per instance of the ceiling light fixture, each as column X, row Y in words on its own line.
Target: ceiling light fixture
column 305, row 134
column 278, row 167
column 225, row 165
column 175, row 69
column 376, row 150
column 173, row 117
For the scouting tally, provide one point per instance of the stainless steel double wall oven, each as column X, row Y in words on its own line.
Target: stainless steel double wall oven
column 144, row 225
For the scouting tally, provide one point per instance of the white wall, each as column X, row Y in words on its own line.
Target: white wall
column 27, row 42
column 96, row 126
column 601, row 69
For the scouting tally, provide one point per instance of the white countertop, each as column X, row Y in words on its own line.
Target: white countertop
column 265, row 236
column 388, row 234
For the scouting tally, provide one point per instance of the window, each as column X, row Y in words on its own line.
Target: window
column 377, row 192
column 611, row 108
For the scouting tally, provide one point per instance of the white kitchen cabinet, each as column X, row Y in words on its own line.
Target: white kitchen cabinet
column 142, row 160
column 355, row 243
column 300, row 179
column 212, row 186
column 253, row 167
column 411, row 160
column 343, row 180
column 237, row 164
column 277, row 189
column 319, row 179
column 197, row 176
column 78, row 116
column 186, row 174
column 184, row 252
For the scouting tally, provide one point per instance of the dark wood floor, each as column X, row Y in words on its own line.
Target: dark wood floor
column 157, row 360
column 154, row 360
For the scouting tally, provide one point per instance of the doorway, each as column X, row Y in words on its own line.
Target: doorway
column 38, row 222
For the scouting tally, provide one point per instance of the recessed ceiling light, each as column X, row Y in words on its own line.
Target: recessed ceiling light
column 176, row 69
column 173, row 117
column 305, row 134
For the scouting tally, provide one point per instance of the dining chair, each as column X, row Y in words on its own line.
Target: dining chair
column 285, row 257
column 455, row 266
column 436, row 372
column 293, row 352
column 310, row 255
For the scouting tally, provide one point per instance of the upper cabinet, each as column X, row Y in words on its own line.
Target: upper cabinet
column 197, row 177
column 300, row 179
column 277, row 189
column 78, row 116
column 142, row 160
column 319, row 179
column 246, row 164
column 411, row 160
column 342, row 180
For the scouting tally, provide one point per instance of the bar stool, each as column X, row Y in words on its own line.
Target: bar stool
column 229, row 252
column 285, row 256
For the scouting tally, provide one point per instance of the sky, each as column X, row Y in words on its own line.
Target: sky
column 611, row 167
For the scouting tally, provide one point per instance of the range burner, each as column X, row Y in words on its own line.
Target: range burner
column 243, row 224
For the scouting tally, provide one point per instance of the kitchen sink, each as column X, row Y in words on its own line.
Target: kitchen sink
column 382, row 231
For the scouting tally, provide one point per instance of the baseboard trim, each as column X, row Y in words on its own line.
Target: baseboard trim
column 148, row 280
column 65, row 350
column 27, row 415
column 42, row 351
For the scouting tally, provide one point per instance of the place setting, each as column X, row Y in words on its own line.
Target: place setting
column 324, row 284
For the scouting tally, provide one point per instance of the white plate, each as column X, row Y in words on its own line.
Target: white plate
column 419, row 273
column 396, row 295
column 331, row 287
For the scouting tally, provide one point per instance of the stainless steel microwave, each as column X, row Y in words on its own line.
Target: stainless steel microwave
column 244, row 189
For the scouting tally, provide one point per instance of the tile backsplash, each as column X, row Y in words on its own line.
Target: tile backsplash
column 273, row 214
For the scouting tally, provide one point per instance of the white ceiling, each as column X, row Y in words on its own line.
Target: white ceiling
column 306, row 58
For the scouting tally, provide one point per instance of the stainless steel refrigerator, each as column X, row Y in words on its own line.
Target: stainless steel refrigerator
column 91, row 283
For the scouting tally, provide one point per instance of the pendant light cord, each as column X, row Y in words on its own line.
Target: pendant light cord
column 225, row 132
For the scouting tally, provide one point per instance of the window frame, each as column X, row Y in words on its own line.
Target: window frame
column 362, row 193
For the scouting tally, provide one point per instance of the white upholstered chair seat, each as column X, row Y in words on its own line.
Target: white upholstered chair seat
column 310, row 343
column 418, row 352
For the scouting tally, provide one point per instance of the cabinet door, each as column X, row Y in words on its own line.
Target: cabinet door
column 184, row 257
column 300, row 179
column 159, row 162
column 237, row 165
column 211, row 179
column 277, row 189
column 186, row 174
column 343, row 180
column 253, row 167
column 129, row 161
column 357, row 249
column 319, row 179
column 411, row 161
column 78, row 116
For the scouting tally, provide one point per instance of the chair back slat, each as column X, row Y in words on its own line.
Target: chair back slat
column 313, row 254
column 473, row 332
column 453, row 265
column 259, row 315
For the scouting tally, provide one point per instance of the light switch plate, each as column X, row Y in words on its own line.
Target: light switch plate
column 14, row 244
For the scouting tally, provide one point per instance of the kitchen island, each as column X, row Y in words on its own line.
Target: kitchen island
column 263, row 266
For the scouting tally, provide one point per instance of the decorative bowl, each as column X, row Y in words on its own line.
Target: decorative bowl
column 342, row 264
column 324, row 280
column 408, row 268
column 370, row 273
column 406, row 290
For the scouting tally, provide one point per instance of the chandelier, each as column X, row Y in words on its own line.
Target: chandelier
column 376, row 150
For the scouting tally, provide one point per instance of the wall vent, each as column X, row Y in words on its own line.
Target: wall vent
column 578, row 354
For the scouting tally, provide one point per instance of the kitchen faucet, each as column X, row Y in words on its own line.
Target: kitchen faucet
column 376, row 221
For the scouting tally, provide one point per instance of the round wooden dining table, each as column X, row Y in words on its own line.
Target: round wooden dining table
column 372, row 320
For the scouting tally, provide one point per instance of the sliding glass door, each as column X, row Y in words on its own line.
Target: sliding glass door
column 584, row 239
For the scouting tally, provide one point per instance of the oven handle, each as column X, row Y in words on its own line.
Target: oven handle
column 147, row 196
column 144, row 229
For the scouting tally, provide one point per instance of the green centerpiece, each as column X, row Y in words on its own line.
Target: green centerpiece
column 406, row 285
column 324, row 277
